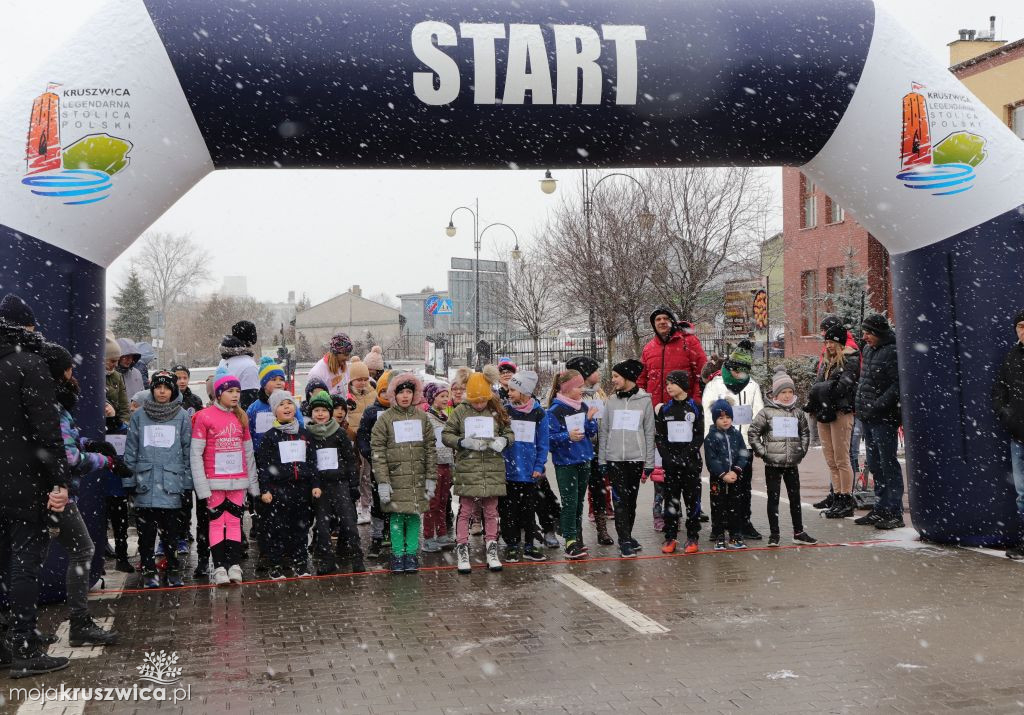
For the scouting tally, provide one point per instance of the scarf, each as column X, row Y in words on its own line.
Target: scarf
column 161, row 412
column 734, row 385
column 785, row 404
column 528, row 407
column 290, row 427
column 625, row 395
column 575, row 404
column 565, row 387
column 321, row 431
column 443, row 416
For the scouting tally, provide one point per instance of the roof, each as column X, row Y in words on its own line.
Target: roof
column 1012, row 50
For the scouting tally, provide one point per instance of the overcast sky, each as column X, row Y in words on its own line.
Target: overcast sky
column 318, row 232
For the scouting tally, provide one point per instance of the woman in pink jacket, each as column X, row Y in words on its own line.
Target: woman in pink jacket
column 223, row 470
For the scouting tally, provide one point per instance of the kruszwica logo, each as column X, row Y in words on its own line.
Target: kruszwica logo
column 160, row 668
column 78, row 172
column 945, row 167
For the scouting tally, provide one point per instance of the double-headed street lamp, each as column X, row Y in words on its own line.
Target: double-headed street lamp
column 645, row 218
column 450, row 231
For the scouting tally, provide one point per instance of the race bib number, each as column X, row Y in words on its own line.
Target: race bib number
column 575, row 422
column 227, row 463
column 264, row 421
column 480, row 427
column 626, row 420
column 408, row 431
column 119, row 441
column 292, row 451
column 680, row 431
column 785, row 427
column 158, row 436
column 525, row 430
column 327, row 459
column 437, row 437
column 599, row 404
column 742, row 414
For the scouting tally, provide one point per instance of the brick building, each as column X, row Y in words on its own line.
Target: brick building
column 816, row 233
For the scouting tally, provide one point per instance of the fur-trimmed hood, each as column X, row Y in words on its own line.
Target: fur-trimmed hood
column 402, row 378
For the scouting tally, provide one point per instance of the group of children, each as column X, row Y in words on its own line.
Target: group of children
column 487, row 439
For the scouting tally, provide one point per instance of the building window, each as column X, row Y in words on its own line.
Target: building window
column 833, row 276
column 1017, row 119
column 808, row 203
column 834, row 211
column 809, row 303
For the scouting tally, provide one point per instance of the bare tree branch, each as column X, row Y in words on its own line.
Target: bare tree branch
column 171, row 267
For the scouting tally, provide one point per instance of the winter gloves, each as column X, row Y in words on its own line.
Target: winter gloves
column 100, row 447
column 431, row 488
column 384, row 492
column 498, row 444
column 122, row 470
column 474, row 444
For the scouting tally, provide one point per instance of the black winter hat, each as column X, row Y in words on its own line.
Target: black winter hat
column 166, row 379
column 230, row 346
column 1019, row 318
column 58, row 359
column 585, row 366
column 16, row 312
column 182, row 368
column 680, row 378
column 876, row 324
column 629, row 369
column 837, row 334
column 245, row 331
column 663, row 310
column 830, row 321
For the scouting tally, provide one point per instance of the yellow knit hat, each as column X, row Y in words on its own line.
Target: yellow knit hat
column 478, row 388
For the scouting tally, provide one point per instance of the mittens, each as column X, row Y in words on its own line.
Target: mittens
column 384, row 492
column 498, row 444
column 431, row 488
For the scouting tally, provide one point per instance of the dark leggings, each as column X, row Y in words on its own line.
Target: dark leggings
column 625, row 478
column 516, row 509
column 773, row 477
column 681, row 487
column 117, row 514
column 549, row 512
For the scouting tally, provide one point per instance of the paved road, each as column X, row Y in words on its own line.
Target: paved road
column 884, row 627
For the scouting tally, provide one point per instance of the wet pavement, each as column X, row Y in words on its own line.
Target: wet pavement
column 890, row 626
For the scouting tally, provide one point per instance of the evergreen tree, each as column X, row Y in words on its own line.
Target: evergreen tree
column 851, row 294
column 303, row 350
column 133, row 310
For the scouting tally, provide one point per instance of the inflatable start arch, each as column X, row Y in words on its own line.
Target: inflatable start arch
column 148, row 96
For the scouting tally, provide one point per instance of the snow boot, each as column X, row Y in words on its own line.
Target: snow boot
column 86, row 631
column 601, row 522
column 493, row 562
column 462, row 556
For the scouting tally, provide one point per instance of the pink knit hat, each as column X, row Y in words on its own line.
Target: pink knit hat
column 225, row 382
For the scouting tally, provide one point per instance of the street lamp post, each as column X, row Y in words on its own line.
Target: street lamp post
column 450, row 231
column 548, row 185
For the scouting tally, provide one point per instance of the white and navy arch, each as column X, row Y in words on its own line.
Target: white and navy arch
column 542, row 84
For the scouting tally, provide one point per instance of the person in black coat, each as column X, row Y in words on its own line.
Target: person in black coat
column 878, row 408
column 337, row 481
column 378, row 519
column 1008, row 402
column 34, row 476
column 679, row 447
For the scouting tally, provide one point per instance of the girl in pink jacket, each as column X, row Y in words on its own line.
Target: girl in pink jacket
column 224, row 469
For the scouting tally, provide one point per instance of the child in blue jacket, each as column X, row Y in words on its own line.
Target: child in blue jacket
column 525, row 462
column 572, row 427
column 727, row 456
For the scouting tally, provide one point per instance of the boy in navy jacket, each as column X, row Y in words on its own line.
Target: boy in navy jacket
column 525, row 462
column 679, row 434
column 727, row 456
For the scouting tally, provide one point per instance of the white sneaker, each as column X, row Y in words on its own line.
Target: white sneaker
column 220, row 576
column 363, row 516
column 462, row 554
column 493, row 562
column 235, row 574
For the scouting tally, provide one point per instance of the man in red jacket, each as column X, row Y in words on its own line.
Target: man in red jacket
column 673, row 347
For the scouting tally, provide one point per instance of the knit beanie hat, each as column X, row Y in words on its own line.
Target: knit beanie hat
column 320, row 399
column 182, row 368
column 491, row 373
column 339, row 401
column 506, row 365
column 719, row 407
column 230, row 346
column 629, row 369
column 432, row 390
column 680, row 378
column 341, row 344
column 837, row 334
column 223, row 380
column 112, row 351
column 742, row 357
column 166, row 379
column 582, row 364
column 57, row 358
column 478, row 387
column 245, row 331
column 876, row 324
column 357, row 369
column 1019, row 318
column 525, row 382
column 374, row 359
column 382, row 387
column 277, row 398
column 16, row 312
column 269, row 370
column 782, row 381
column 140, row 397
